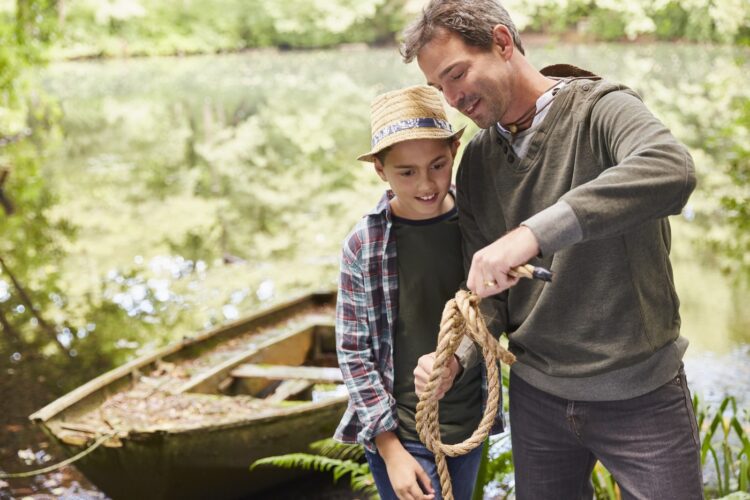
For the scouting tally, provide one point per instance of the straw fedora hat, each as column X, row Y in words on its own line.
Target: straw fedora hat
column 410, row 113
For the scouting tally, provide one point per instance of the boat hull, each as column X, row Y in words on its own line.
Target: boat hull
column 208, row 463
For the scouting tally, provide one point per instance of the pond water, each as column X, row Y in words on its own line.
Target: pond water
column 203, row 188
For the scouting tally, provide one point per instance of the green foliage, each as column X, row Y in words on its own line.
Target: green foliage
column 337, row 458
column 40, row 316
column 92, row 28
column 605, row 487
column 606, row 24
column 342, row 451
column 24, row 34
column 670, row 21
column 159, row 27
column 737, row 202
column 30, row 239
column 500, row 466
column 729, row 145
column 700, row 20
column 725, row 440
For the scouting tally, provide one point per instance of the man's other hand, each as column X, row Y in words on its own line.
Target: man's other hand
column 423, row 372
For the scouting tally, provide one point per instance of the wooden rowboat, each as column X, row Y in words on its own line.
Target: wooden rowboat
column 188, row 420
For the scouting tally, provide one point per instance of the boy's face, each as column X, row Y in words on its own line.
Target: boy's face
column 475, row 81
column 419, row 172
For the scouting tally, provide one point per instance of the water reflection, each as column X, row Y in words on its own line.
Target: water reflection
column 190, row 191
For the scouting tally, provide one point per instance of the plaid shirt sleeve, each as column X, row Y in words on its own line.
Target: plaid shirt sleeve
column 370, row 404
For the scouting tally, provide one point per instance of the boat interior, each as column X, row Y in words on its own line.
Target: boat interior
column 284, row 356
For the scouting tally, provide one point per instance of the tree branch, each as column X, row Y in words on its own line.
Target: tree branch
column 4, row 201
column 27, row 301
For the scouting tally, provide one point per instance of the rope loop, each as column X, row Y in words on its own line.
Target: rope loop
column 461, row 316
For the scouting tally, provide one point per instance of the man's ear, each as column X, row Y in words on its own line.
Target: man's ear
column 379, row 169
column 503, row 40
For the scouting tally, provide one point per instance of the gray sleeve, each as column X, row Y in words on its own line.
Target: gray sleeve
column 468, row 354
column 555, row 227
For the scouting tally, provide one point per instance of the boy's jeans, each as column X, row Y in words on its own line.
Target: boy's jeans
column 463, row 471
column 650, row 444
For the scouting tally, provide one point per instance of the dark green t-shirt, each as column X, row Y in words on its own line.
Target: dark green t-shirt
column 430, row 270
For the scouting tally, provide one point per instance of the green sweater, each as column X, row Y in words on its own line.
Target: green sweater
column 599, row 179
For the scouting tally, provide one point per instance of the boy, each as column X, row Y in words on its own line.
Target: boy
column 389, row 308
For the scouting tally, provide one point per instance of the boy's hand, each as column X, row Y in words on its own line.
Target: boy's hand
column 490, row 266
column 404, row 472
column 423, row 372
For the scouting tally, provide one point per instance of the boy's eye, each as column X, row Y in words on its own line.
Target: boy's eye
column 438, row 166
column 458, row 75
column 406, row 173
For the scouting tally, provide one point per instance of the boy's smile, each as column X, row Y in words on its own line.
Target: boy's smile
column 419, row 173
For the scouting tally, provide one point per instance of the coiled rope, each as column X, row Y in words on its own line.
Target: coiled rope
column 461, row 316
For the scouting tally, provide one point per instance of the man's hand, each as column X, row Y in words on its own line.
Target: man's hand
column 404, row 472
column 423, row 372
column 490, row 266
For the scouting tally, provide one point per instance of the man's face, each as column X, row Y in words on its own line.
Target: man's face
column 473, row 80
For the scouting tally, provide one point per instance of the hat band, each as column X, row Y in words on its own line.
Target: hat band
column 409, row 124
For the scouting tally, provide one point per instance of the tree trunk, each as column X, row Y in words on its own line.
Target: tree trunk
column 4, row 201
column 61, row 13
column 21, row 18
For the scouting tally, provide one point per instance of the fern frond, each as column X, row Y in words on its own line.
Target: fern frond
column 289, row 461
column 333, row 449
column 308, row 461
column 365, row 484
column 360, row 476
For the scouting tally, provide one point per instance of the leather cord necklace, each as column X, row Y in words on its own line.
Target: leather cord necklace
column 530, row 114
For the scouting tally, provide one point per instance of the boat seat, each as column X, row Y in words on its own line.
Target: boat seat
column 287, row 389
column 281, row 372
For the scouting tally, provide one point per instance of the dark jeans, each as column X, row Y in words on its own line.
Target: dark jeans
column 650, row 444
column 463, row 471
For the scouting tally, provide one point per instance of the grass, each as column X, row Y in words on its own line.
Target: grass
column 725, row 445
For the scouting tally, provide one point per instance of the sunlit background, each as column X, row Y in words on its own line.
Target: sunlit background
column 153, row 195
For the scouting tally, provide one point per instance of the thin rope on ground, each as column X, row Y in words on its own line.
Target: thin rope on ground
column 60, row 465
column 461, row 316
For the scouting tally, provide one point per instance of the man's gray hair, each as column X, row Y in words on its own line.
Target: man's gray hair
column 473, row 20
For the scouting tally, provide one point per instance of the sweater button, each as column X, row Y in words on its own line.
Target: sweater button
column 587, row 87
column 511, row 159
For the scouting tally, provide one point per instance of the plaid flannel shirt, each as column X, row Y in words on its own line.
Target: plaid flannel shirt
column 366, row 312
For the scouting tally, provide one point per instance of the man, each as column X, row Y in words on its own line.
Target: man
column 574, row 172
